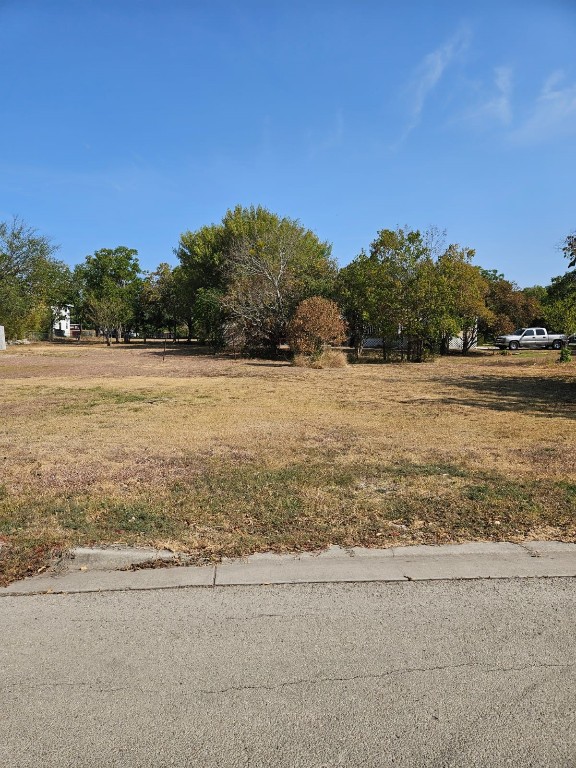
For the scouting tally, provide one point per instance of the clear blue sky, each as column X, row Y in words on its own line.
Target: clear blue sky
column 127, row 122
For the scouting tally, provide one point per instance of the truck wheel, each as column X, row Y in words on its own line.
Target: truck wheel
column 513, row 345
column 557, row 344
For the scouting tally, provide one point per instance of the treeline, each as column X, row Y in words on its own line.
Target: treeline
column 239, row 283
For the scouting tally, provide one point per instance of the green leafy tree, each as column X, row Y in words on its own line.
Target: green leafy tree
column 55, row 291
column 261, row 266
column 109, row 286
column 560, row 315
column 160, row 305
column 569, row 249
column 405, row 299
column 510, row 307
column 413, row 293
column 559, row 306
column 538, row 292
column 202, row 255
column 208, row 318
column 274, row 264
column 355, row 290
column 462, row 290
column 33, row 284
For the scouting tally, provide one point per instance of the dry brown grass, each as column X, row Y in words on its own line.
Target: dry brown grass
column 328, row 358
column 217, row 456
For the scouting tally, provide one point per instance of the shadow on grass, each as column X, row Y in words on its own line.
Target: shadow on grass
column 540, row 396
column 151, row 345
column 194, row 350
column 183, row 349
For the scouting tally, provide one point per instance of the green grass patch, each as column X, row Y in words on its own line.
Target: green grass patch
column 96, row 396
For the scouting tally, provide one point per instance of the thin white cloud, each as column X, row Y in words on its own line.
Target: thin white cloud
column 498, row 106
column 552, row 115
column 430, row 72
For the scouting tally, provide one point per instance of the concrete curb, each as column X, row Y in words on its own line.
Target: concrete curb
column 96, row 570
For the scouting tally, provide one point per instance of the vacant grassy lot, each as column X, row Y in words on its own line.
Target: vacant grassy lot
column 215, row 456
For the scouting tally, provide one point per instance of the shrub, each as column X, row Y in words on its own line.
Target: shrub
column 565, row 355
column 301, row 361
column 327, row 358
column 316, row 322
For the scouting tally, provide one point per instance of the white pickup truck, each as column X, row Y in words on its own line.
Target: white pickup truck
column 531, row 338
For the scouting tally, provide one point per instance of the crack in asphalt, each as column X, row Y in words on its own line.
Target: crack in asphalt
column 380, row 676
column 294, row 683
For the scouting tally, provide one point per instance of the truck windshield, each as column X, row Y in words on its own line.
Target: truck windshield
column 519, row 331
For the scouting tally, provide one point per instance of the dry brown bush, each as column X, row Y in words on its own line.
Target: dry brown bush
column 329, row 358
column 302, row 361
column 316, row 322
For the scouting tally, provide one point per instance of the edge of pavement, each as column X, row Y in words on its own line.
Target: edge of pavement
column 122, row 569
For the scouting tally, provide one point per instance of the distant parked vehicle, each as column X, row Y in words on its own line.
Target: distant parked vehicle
column 531, row 338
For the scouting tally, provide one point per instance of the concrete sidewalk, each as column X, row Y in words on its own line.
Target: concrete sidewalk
column 97, row 570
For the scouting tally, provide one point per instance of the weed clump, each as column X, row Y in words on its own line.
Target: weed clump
column 329, row 358
column 326, row 358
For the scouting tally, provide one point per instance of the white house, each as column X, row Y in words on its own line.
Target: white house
column 457, row 342
column 62, row 320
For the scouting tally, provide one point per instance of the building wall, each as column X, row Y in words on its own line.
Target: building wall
column 62, row 322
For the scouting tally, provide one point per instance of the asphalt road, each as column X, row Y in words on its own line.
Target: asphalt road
column 443, row 673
